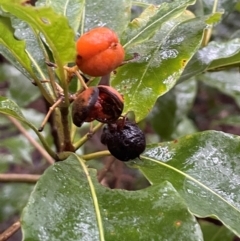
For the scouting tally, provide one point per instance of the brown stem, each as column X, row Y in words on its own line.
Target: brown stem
column 51, row 109
column 43, row 152
column 68, row 146
column 28, row 178
column 10, row 231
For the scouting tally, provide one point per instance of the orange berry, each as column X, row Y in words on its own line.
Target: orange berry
column 99, row 52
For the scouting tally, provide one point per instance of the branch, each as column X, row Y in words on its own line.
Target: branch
column 29, row 178
column 43, row 152
column 95, row 155
column 86, row 137
column 10, row 231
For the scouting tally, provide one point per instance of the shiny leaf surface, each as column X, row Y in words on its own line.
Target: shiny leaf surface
column 17, row 56
column 204, row 169
column 45, row 21
column 72, row 10
column 225, row 81
column 76, row 207
column 161, row 61
column 100, row 13
column 215, row 56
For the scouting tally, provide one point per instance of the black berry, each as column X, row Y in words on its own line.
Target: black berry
column 124, row 139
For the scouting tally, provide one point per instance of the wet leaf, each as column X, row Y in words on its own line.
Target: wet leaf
column 222, row 55
column 161, row 62
column 149, row 22
column 76, row 207
column 33, row 48
column 100, row 13
column 46, row 22
column 72, row 10
column 13, row 49
column 225, row 81
column 204, row 169
column 215, row 56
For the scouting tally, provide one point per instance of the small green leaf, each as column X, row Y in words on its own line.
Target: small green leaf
column 76, row 207
column 204, row 169
column 214, row 18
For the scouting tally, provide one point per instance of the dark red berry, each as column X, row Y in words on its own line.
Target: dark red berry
column 124, row 139
column 102, row 103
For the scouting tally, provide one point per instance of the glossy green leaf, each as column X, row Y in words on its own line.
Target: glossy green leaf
column 148, row 23
column 217, row 55
column 222, row 55
column 162, row 60
column 13, row 49
column 115, row 15
column 75, row 206
column 72, row 10
column 204, row 169
column 34, row 49
column 172, row 108
column 225, row 81
column 212, row 232
column 54, row 28
column 27, row 57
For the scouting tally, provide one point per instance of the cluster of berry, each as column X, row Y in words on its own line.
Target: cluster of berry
column 99, row 53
